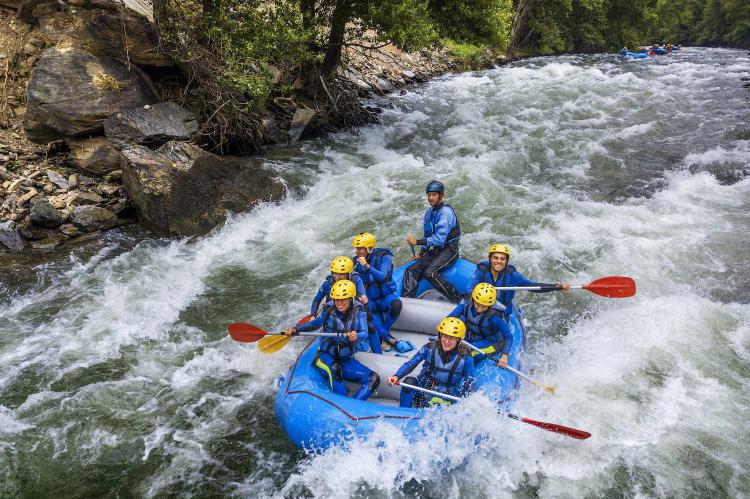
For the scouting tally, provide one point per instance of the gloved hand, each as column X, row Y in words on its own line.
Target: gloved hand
column 404, row 346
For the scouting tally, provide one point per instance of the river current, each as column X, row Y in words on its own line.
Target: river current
column 117, row 378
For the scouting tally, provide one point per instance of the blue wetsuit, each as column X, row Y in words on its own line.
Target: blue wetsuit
column 509, row 276
column 451, row 373
column 381, row 293
column 335, row 359
column 439, row 251
column 325, row 289
column 486, row 331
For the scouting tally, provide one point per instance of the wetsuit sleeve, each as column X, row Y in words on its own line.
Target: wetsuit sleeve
column 360, row 285
column 519, row 280
column 386, row 266
column 505, row 331
column 362, row 325
column 312, row 325
column 446, row 220
column 458, row 310
column 319, row 296
column 412, row 363
column 469, row 380
column 475, row 279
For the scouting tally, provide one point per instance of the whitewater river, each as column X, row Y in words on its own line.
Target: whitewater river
column 117, row 378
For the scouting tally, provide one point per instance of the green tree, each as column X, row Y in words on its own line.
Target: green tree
column 336, row 24
column 480, row 22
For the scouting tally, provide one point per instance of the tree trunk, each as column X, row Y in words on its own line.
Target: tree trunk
column 516, row 30
column 341, row 15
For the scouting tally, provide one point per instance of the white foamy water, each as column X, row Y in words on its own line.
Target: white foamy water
column 116, row 373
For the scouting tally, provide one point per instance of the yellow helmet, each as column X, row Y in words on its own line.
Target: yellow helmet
column 485, row 294
column 343, row 289
column 452, row 326
column 499, row 248
column 363, row 240
column 342, row 265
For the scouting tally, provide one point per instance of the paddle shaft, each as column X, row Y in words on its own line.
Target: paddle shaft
column 509, row 368
column 556, row 428
column 551, row 287
column 429, row 392
column 323, row 335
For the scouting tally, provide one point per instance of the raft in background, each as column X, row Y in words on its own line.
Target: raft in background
column 315, row 418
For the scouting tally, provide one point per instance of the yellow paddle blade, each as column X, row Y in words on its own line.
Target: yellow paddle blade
column 271, row 344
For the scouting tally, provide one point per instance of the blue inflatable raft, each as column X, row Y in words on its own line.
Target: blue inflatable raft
column 315, row 418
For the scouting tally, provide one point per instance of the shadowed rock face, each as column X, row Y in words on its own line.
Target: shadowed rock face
column 183, row 190
column 73, row 92
column 152, row 127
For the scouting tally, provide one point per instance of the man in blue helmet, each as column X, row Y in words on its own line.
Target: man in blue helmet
column 439, row 246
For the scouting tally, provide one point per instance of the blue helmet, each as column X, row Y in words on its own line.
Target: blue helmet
column 435, row 186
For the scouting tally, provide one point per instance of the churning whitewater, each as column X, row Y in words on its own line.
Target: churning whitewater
column 117, row 377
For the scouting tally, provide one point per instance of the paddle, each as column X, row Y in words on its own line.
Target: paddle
column 556, row 428
column 611, row 287
column 271, row 344
column 413, row 251
column 546, row 388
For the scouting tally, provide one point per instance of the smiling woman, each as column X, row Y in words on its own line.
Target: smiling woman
column 117, row 377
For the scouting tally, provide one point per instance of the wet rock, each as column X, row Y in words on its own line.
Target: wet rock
column 301, row 123
column 51, row 243
column 70, row 230
column 184, row 190
column 150, row 125
column 95, row 155
column 91, row 218
column 408, row 75
column 9, row 237
column 79, row 198
column 73, row 92
column 33, row 232
column 44, row 214
column 382, row 86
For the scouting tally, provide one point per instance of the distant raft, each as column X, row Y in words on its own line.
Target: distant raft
column 316, row 418
column 626, row 54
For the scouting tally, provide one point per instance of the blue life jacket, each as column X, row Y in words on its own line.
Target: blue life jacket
column 378, row 289
column 429, row 224
column 504, row 297
column 446, row 377
column 340, row 348
column 478, row 326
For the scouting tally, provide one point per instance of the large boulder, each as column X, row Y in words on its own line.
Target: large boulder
column 73, row 92
column 150, row 125
column 45, row 215
column 181, row 189
column 91, row 218
column 301, row 123
column 9, row 237
column 121, row 34
column 95, row 155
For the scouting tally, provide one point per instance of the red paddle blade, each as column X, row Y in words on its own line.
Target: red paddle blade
column 306, row 318
column 570, row 432
column 245, row 333
column 612, row 287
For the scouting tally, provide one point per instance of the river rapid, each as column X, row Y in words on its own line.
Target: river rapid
column 117, row 378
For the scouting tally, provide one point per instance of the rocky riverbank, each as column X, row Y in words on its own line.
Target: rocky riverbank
column 96, row 127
